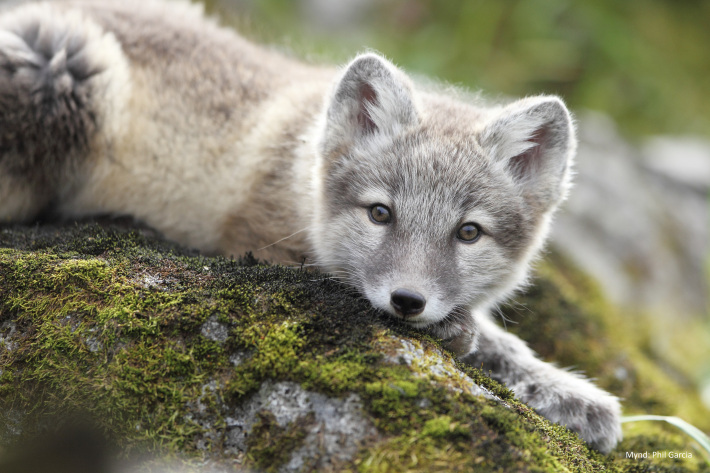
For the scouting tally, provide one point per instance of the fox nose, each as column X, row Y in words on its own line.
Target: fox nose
column 407, row 303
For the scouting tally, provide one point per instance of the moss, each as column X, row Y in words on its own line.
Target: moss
column 334, row 376
column 110, row 321
column 443, row 427
column 566, row 319
column 271, row 445
column 475, row 435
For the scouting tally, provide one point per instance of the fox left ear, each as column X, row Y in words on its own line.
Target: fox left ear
column 534, row 139
column 372, row 97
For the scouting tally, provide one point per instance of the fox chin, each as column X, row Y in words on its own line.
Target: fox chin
column 433, row 206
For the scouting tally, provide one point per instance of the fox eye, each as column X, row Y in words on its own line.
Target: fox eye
column 469, row 232
column 380, row 214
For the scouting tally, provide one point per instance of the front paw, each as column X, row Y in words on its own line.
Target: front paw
column 580, row 406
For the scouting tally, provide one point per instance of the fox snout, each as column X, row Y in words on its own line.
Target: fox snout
column 407, row 303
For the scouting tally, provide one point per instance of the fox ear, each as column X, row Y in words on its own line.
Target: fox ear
column 534, row 140
column 371, row 97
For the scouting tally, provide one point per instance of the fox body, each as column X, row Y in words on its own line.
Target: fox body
column 431, row 206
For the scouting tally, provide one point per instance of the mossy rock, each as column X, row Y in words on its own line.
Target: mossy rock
column 207, row 360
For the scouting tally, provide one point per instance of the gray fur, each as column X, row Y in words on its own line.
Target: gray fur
column 562, row 396
column 535, row 140
column 372, row 97
column 47, row 116
column 147, row 109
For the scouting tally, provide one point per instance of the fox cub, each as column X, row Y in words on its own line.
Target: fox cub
column 430, row 206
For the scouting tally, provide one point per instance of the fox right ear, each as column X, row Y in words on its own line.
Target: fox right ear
column 533, row 139
column 372, row 97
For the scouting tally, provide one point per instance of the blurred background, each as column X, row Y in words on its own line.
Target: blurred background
column 635, row 73
column 643, row 62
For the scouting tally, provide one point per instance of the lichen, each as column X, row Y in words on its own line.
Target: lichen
column 166, row 350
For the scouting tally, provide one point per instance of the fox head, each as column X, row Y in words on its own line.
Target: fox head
column 430, row 207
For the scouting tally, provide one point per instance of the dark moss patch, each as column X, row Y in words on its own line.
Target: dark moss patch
column 271, row 445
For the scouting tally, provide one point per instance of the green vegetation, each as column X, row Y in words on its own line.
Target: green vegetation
column 270, row 445
column 581, row 329
column 113, row 323
column 643, row 62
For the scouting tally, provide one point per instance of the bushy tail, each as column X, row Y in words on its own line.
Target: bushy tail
column 53, row 86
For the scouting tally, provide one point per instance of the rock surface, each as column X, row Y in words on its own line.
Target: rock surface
column 638, row 218
column 235, row 366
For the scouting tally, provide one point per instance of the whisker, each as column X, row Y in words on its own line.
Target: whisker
column 285, row 238
column 498, row 311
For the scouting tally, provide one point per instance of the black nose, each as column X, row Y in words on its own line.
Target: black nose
column 406, row 302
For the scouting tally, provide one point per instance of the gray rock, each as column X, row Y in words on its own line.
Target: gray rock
column 214, row 330
column 333, row 437
column 637, row 218
column 7, row 331
column 436, row 365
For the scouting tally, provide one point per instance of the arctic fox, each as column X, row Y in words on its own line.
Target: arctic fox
column 430, row 206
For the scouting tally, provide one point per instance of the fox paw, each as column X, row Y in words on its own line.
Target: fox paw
column 587, row 410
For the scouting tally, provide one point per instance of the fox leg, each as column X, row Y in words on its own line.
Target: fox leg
column 563, row 397
column 57, row 72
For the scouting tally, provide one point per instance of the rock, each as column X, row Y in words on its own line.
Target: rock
column 227, row 365
column 685, row 161
column 214, row 330
column 637, row 218
column 333, row 429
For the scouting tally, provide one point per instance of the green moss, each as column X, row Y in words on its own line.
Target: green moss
column 111, row 324
column 406, row 453
column 271, row 445
column 333, row 376
column 475, row 435
column 443, row 427
column 566, row 319
column 7, row 382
